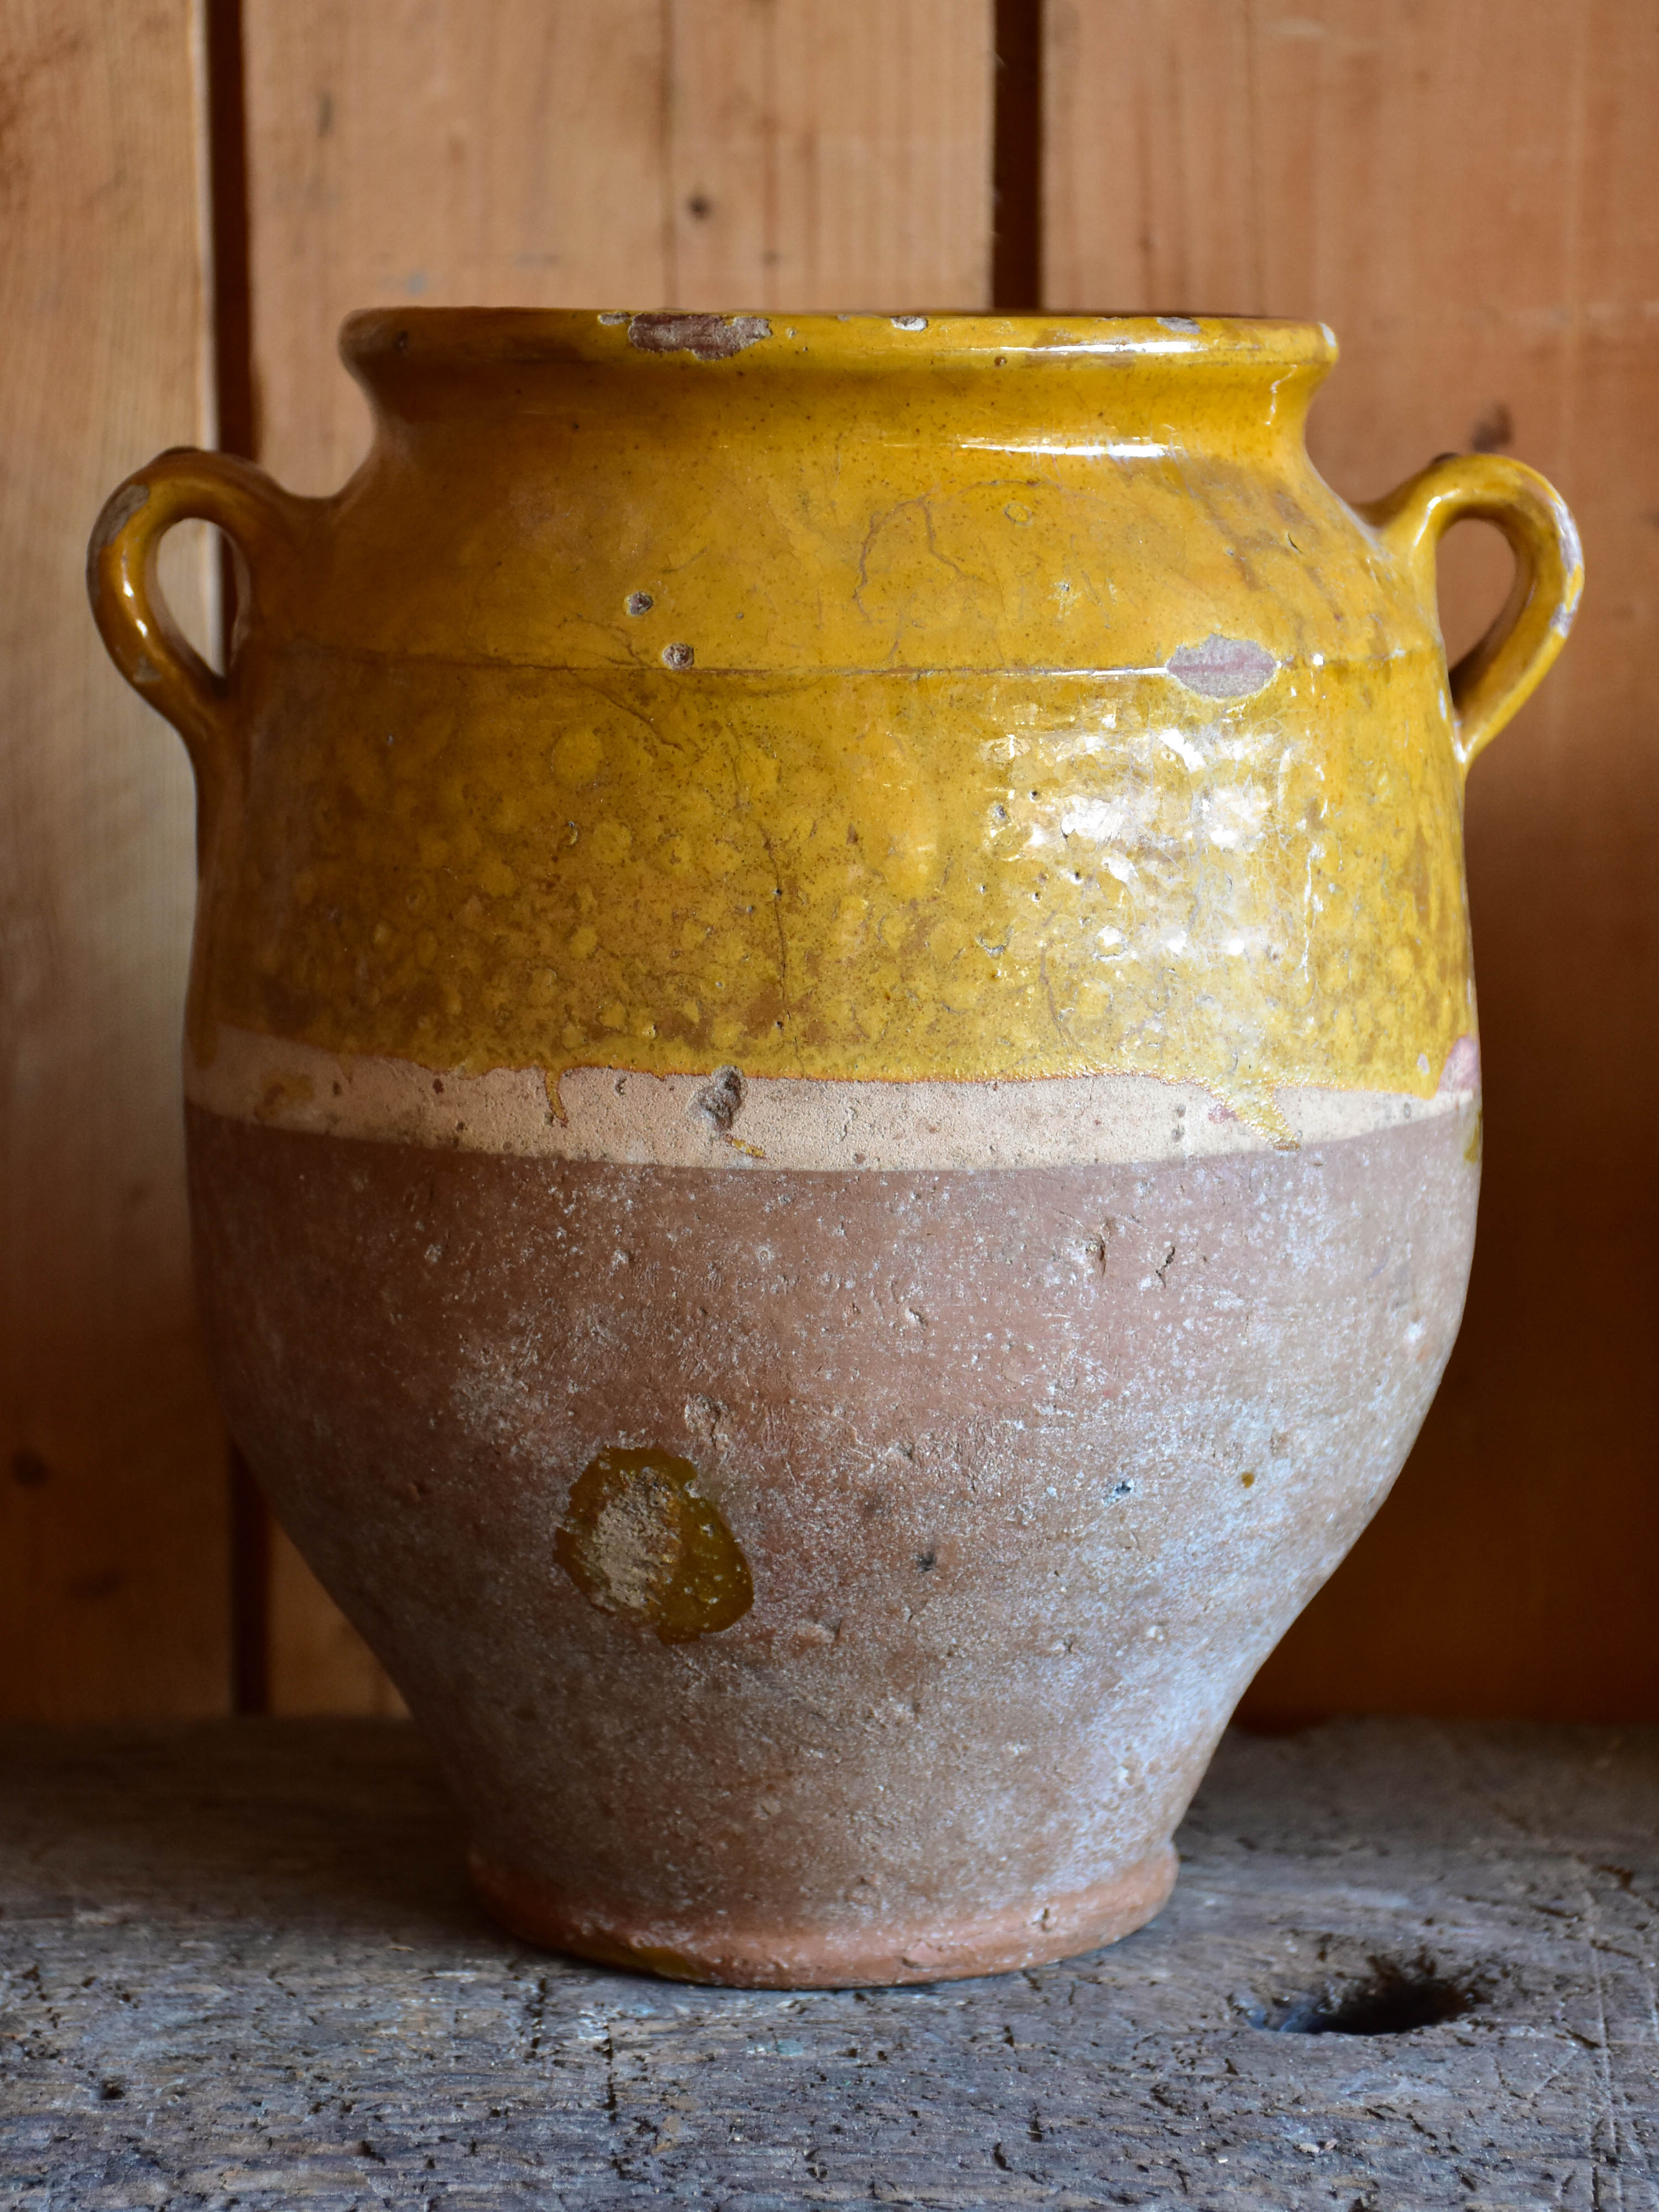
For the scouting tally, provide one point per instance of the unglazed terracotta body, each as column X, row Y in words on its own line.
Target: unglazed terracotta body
column 833, row 1096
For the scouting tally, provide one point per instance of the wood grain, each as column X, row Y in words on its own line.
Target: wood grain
column 240, row 1963
column 829, row 156
column 112, row 1565
column 647, row 153
column 1470, row 197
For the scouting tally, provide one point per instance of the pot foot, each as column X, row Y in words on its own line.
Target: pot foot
column 774, row 1955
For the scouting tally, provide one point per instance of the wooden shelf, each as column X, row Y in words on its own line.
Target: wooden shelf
column 242, row 1966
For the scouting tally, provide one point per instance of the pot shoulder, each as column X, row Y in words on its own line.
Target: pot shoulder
column 608, row 542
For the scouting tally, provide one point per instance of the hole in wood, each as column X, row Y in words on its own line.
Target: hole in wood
column 1391, row 1999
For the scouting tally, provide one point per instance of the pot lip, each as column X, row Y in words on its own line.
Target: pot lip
column 379, row 340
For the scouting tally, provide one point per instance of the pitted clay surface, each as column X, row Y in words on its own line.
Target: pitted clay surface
column 1027, row 1468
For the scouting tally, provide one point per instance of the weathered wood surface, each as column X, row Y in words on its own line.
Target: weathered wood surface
column 241, row 1968
column 1469, row 196
column 112, row 1543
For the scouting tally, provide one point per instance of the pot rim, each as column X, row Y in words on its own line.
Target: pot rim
column 461, row 337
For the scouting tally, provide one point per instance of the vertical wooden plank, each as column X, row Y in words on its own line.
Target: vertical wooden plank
column 1468, row 195
column 1147, row 156
column 647, row 154
column 652, row 153
column 113, row 1568
column 431, row 151
column 831, row 156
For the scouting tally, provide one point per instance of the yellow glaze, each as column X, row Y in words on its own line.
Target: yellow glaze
column 638, row 1539
column 841, row 697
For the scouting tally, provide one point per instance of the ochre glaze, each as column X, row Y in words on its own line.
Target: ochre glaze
column 637, row 1539
column 1002, row 698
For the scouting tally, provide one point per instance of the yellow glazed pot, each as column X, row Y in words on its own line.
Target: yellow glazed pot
column 832, row 1080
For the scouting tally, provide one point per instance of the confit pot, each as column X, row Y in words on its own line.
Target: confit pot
column 831, row 1075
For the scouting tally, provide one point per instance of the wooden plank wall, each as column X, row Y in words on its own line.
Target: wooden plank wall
column 1466, row 191
column 113, row 1594
column 1467, row 194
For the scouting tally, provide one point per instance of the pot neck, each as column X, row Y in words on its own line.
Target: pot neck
column 1116, row 385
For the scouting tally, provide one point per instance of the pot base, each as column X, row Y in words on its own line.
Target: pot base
column 776, row 1957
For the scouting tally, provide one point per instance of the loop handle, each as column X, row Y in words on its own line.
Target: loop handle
column 1496, row 677
column 137, row 627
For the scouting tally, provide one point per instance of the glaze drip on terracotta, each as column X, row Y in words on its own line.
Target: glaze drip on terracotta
column 637, row 1539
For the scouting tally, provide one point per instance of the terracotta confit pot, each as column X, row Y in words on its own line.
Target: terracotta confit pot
column 831, row 1073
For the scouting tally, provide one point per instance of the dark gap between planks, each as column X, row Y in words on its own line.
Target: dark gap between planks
column 231, row 308
column 1017, row 158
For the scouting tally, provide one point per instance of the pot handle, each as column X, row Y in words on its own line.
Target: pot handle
column 1496, row 677
column 137, row 627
